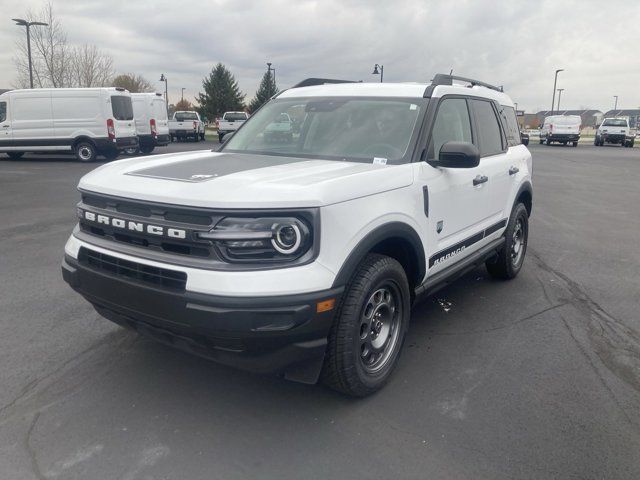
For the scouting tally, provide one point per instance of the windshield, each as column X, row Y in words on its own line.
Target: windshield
column 183, row 116
column 615, row 122
column 344, row 128
column 234, row 117
column 121, row 107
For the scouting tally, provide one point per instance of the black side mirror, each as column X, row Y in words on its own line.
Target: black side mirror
column 457, row 155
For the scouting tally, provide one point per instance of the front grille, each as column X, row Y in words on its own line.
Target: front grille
column 188, row 219
column 159, row 277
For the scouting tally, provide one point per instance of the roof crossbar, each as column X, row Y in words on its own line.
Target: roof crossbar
column 444, row 79
column 310, row 82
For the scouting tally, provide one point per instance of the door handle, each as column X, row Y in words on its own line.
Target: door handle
column 480, row 179
column 5, row 126
column 513, row 170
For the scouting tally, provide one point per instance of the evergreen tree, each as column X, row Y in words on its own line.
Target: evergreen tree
column 266, row 90
column 221, row 93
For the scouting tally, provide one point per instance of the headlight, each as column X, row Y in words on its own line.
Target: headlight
column 261, row 239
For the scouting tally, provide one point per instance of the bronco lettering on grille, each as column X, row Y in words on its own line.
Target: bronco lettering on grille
column 133, row 226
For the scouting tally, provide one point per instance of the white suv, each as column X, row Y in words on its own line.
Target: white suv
column 303, row 255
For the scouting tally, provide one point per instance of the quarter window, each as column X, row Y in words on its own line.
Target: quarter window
column 513, row 131
column 452, row 124
column 489, row 135
column 3, row 111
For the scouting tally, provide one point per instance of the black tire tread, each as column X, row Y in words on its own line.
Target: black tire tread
column 502, row 268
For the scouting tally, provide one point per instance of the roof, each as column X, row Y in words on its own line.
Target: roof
column 545, row 113
column 623, row 113
column 397, row 90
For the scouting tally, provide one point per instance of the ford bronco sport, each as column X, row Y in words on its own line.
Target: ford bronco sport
column 302, row 255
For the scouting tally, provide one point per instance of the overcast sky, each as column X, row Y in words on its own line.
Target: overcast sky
column 513, row 43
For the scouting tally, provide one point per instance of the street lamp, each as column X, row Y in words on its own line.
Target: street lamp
column 378, row 72
column 182, row 95
column 615, row 107
column 163, row 78
column 555, row 81
column 269, row 69
column 560, row 90
column 28, row 25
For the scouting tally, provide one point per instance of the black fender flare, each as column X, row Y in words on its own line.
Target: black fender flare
column 525, row 187
column 398, row 230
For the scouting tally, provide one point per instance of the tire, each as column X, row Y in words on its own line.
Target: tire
column 362, row 354
column 85, row 151
column 15, row 155
column 131, row 151
column 511, row 256
column 220, row 137
column 147, row 149
column 575, row 144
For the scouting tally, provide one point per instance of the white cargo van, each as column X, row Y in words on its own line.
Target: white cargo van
column 152, row 127
column 562, row 129
column 84, row 121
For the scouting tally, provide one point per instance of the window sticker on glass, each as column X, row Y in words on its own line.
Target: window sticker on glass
column 379, row 161
column 413, row 106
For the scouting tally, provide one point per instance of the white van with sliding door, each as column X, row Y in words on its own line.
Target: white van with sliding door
column 84, row 121
column 561, row 129
column 152, row 126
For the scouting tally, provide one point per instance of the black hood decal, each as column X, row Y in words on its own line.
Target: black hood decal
column 210, row 168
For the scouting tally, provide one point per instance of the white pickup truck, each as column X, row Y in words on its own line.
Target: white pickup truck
column 230, row 122
column 186, row 124
column 615, row 130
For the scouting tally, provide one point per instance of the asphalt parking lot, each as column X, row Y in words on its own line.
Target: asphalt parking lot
column 534, row 378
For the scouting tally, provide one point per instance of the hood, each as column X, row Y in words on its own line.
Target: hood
column 231, row 180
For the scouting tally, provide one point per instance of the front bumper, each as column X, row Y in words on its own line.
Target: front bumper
column 276, row 334
column 614, row 137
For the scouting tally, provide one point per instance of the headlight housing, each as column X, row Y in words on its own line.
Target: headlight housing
column 262, row 239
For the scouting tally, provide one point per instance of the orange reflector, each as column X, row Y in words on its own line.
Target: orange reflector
column 326, row 305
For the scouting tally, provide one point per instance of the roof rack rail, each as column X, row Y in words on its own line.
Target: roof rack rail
column 444, row 79
column 310, row 82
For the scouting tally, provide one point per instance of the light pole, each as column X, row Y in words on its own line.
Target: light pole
column 378, row 70
column 555, row 81
column 615, row 106
column 28, row 25
column 182, row 95
column 269, row 69
column 560, row 90
column 163, row 78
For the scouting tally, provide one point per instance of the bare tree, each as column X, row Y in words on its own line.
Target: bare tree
column 132, row 82
column 56, row 63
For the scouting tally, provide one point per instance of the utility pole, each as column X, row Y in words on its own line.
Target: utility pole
column 163, row 78
column 560, row 90
column 555, row 81
column 182, row 95
column 615, row 106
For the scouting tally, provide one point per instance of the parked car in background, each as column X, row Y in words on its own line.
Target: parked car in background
column 561, row 129
column 186, row 125
column 230, row 122
column 152, row 125
column 84, row 121
column 615, row 130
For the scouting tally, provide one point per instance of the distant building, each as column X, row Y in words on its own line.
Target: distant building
column 590, row 118
column 634, row 116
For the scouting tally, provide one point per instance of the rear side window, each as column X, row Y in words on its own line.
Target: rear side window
column 511, row 123
column 452, row 124
column 489, row 134
column 3, row 111
column 121, row 107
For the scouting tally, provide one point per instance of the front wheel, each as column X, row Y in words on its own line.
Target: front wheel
column 510, row 258
column 369, row 328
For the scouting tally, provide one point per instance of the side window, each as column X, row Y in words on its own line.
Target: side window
column 452, row 124
column 3, row 111
column 489, row 134
column 508, row 115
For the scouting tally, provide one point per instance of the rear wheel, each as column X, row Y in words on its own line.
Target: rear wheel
column 15, row 155
column 369, row 329
column 510, row 258
column 147, row 149
column 131, row 151
column 575, row 144
column 85, row 151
